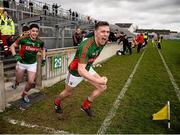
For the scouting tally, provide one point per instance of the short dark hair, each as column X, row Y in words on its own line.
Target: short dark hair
column 33, row 26
column 78, row 27
column 25, row 28
column 5, row 10
column 101, row 23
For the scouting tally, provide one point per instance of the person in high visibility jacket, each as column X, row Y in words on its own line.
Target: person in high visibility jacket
column 7, row 30
column 145, row 39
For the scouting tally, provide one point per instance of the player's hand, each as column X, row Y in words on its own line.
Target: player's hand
column 43, row 63
column 17, row 57
column 105, row 79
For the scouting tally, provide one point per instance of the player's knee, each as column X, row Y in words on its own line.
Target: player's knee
column 68, row 93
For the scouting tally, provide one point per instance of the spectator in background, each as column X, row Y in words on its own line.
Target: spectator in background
column 56, row 9
column 140, row 41
column 26, row 3
column 95, row 21
column 73, row 16
column 77, row 15
column 53, row 9
column 83, row 33
column 88, row 19
column 77, row 37
column 159, row 41
column 25, row 32
column 145, row 39
column 126, row 44
column 31, row 7
column 7, row 30
column 6, row 3
column 89, row 34
column 45, row 9
column 21, row 2
column 70, row 14
column 112, row 37
column 13, row 4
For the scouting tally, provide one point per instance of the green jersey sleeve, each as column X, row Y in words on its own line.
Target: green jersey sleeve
column 84, row 50
column 83, row 55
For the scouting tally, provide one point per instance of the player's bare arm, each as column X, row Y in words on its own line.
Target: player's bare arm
column 12, row 48
column 84, row 73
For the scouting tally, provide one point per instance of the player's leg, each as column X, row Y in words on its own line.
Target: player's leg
column 31, row 71
column 99, row 90
column 19, row 73
column 71, row 82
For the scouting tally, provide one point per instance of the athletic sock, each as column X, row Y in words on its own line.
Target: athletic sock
column 57, row 101
column 86, row 104
column 24, row 93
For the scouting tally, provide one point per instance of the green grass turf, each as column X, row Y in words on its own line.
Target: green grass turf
column 148, row 93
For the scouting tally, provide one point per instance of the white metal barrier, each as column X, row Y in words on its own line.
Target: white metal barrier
column 54, row 71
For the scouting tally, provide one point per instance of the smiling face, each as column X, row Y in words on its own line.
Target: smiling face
column 5, row 14
column 78, row 30
column 34, row 33
column 102, row 35
column 26, row 32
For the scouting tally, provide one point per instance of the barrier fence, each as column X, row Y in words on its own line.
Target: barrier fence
column 54, row 71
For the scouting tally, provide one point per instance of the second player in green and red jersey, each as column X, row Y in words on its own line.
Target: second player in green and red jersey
column 29, row 49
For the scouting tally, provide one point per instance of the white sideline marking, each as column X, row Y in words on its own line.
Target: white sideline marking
column 107, row 121
column 176, row 88
column 46, row 129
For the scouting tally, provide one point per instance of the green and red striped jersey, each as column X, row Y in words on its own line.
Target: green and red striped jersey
column 86, row 53
column 29, row 49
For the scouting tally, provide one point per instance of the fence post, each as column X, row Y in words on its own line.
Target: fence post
column 62, row 36
column 2, row 89
column 39, row 73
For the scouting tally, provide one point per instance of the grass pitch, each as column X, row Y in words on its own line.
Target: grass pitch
column 148, row 93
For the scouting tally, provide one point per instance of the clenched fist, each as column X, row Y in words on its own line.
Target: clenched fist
column 105, row 79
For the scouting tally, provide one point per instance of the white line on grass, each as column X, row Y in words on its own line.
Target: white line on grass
column 45, row 129
column 106, row 123
column 176, row 88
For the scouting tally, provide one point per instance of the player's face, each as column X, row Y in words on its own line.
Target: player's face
column 78, row 31
column 26, row 32
column 34, row 33
column 5, row 13
column 102, row 35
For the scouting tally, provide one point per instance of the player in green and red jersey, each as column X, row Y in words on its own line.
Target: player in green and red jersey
column 81, row 68
column 25, row 32
column 26, row 58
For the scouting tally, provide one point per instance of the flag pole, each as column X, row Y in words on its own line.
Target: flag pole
column 169, row 124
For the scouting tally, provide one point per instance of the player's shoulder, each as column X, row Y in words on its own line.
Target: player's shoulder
column 39, row 40
column 20, row 38
column 87, row 42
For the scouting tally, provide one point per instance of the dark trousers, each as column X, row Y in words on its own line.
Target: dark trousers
column 139, row 47
column 159, row 46
column 125, row 47
column 6, row 42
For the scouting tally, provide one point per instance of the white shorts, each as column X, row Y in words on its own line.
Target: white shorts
column 73, row 81
column 28, row 67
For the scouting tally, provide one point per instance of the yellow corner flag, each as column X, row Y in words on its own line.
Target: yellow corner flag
column 163, row 114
